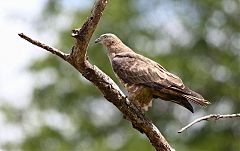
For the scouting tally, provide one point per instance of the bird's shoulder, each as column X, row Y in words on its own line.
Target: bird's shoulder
column 132, row 57
column 126, row 60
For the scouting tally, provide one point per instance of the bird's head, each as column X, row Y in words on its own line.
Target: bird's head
column 108, row 39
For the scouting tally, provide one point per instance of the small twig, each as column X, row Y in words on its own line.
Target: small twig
column 208, row 117
column 44, row 46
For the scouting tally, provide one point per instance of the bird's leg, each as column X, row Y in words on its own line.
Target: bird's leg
column 125, row 117
column 133, row 100
column 143, row 111
column 136, row 103
column 72, row 49
column 127, row 101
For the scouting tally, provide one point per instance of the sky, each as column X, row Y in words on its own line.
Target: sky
column 16, row 54
column 16, row 83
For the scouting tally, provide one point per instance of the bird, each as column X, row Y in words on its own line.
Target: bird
column 146, row 79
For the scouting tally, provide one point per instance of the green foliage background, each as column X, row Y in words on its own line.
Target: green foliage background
column 197, row 40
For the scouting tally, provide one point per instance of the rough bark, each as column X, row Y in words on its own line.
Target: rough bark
column 103, row 82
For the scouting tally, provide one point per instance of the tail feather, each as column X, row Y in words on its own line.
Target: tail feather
column 181, row 97
column 194, row 97
column 184, row 103
column 198, row 100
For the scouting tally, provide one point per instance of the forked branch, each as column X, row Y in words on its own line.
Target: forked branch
column 103, row 82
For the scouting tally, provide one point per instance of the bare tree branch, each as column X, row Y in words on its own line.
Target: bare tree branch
column 44, row 46
column 208, row 117
column 103, row 82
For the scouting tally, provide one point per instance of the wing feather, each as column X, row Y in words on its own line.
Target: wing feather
column 134, row 68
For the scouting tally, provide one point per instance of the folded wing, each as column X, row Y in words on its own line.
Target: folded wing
column 136, row 69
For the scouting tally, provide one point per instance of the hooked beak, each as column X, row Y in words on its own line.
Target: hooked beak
column 97, row 40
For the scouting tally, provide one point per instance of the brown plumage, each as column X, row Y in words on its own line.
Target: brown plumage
column 145, row 79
